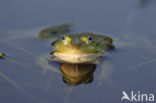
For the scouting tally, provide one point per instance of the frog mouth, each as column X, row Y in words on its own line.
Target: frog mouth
column 79, row 52
column 77, row 58
column 77, row 55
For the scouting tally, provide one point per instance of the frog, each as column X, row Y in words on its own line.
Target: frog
column 85, row 47
column 73, row 50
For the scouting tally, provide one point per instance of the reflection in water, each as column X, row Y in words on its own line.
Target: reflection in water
column 74, row 74
column 105, row 74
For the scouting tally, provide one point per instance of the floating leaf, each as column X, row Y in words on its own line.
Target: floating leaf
column 54, row 31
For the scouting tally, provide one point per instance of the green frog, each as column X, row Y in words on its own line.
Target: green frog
column 85, row 47
column 82, row 47
column 74, row 49
column 78, row 53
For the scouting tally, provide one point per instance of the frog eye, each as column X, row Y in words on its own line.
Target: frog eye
column 66, row 39
column 87, row 39
column 90, row 38
column 63, row 38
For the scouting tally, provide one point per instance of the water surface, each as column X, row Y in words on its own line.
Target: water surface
column 131, row 67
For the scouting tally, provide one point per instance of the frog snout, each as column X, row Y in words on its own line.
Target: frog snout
column 76, row 47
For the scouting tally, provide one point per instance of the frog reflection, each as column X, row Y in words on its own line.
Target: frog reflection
column 75, row 74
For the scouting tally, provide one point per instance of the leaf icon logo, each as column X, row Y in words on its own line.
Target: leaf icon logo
column 125, row 96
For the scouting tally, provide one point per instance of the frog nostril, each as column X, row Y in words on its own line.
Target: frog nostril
column 90, row 38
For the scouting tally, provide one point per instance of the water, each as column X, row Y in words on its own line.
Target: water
column 131, row 67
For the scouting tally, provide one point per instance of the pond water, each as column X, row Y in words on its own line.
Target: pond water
column 131, row 67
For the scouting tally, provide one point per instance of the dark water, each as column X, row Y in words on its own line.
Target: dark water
column 131, row 67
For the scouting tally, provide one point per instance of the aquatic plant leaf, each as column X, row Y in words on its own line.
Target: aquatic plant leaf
column 55, row 31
